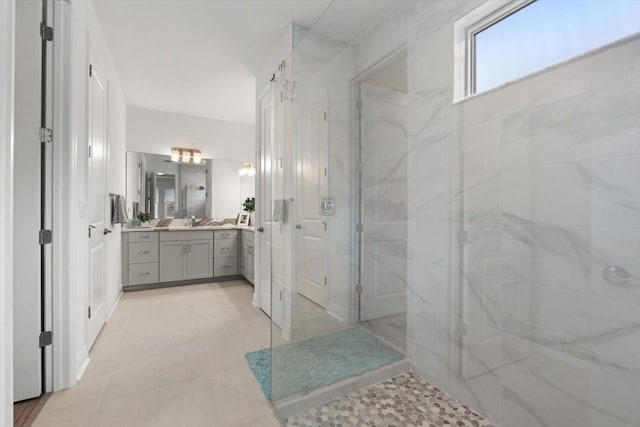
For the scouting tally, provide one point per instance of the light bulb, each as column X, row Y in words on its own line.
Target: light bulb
column 186, row 156
column 197, row 157
column 175, row 155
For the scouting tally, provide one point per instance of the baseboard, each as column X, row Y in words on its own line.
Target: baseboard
column 183, row 283
column 84, row 356
column 115, row 304
column 334, row 310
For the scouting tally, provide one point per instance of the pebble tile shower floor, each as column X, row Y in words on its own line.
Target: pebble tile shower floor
column 404, row 400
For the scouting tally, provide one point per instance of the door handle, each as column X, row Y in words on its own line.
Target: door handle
column 90, row 227
column 260, row 229
column 106, row 231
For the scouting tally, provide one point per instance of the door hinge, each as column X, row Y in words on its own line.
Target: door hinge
column 89, row 312
column 358, row 289
column 325, row 281
column 90, row 70
column 46, row 135
column 359, row 228
column 46, row 32
column 90, row 150
column 44, row 237
column 45, row 339
column 325, row 116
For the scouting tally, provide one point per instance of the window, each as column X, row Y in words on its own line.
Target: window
column 503, row 41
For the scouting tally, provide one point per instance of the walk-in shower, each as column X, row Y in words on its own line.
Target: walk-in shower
column 486, row 242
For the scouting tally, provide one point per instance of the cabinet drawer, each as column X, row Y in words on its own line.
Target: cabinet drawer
column 227, row 266
column 143, row 252
column 141, row 274
column 225, row 248
column 143, row 236
column 169, row 236
column 225, row 234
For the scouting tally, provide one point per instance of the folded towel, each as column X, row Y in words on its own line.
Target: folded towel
column 118, row 210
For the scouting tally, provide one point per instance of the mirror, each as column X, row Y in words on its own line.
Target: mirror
column 167, row 189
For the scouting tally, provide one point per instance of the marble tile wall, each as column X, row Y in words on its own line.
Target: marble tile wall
column 519, row 199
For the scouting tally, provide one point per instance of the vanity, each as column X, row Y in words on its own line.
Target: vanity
column 159, row 257
column 172, row 252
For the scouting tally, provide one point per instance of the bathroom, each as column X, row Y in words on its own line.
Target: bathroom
column 446, row 213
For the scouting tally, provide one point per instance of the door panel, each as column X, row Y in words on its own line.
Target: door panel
column 97, row 150
column 200, row 260
column 313, row 170
column 383, row 151
column 27, row 303
column 173, row 263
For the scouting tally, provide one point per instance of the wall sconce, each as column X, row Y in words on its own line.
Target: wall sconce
column 186, row 154
column 247, row 170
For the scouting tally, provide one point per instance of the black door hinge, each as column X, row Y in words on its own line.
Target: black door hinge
column 44, row 237
column 45, row 339
column 89, row 312
column 90, row 70
column 46, row 32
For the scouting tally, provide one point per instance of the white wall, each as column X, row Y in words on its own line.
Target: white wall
column 7, row 17
column 156, row 132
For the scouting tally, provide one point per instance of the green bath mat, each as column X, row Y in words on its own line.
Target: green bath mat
column 319, row 361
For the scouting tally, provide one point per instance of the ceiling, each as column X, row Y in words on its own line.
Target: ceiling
column 198, row 57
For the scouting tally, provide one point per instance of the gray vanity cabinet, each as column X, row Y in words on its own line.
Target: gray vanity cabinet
column 186, row 259
column 225, row 262
column 247, row 255
column 173, row 261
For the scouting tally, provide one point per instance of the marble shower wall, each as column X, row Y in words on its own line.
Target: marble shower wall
column 519, row 199
column 523, row 195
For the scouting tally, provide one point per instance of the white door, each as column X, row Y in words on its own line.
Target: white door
column 98, row 219
column 27, row 301
column 313, row 186
column 383, row 192
column 266, row 138
column 200, row 259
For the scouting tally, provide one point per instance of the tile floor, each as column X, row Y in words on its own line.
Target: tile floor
column 403, row 400
column 172, row 357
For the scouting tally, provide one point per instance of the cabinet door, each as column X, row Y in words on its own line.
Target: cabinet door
column 249, row 262
column 200, row 259
column 173, row 261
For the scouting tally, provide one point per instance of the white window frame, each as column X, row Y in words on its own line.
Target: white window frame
column 465, row 30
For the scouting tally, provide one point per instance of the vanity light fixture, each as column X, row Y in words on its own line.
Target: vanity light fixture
column 247, row 169
column 186, row 154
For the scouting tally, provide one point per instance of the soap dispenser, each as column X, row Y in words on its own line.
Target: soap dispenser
column 193, row 220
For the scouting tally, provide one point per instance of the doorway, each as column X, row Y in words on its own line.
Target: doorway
column 383, row 198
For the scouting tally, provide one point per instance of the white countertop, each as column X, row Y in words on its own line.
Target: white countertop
column 202, row 228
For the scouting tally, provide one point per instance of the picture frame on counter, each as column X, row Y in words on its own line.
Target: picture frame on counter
column 243, row 219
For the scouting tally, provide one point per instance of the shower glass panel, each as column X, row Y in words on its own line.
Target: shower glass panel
column 489, row 244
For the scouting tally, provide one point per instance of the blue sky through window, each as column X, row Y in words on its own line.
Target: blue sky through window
column 547, row 32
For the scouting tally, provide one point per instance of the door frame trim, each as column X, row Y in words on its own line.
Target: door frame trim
column 7, row 55
column 357, row 81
